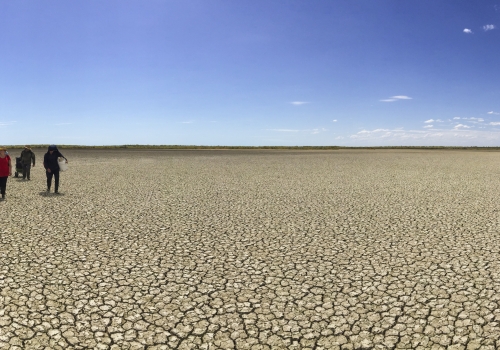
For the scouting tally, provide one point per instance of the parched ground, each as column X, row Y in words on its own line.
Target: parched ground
column 254, row 249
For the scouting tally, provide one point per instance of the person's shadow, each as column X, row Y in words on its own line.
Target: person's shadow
column 51, row 194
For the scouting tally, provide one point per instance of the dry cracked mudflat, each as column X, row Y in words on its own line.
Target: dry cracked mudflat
column 349, row 249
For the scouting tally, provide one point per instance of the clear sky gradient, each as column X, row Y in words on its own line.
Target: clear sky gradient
column 250, row 72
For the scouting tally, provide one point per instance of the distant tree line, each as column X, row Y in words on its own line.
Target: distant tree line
column 194, row 147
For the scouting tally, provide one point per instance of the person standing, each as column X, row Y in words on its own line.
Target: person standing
column 51, row 165
column 5, row 170
column 27, row 157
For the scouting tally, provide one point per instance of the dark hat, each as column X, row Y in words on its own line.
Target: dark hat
column 52, row 148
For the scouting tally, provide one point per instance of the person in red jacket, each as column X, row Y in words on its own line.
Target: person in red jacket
column 5, row 170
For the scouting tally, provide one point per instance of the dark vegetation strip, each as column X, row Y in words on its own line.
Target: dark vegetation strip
column 258, row 147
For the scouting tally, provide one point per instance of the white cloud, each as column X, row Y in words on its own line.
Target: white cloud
column 474, row 119
column 188, row 122
column 488, row 27
column 317, row 131
column 372, row 132
column 428, row 137
column 312, row 131
column 335, row 120
column 430, row 121
column 478, row 120
column 298, row 103
column 377, row 133
column 458, row 126
column 496, row 113
column 468, row 31
column 428, row 126
column 396, row 98
column 494, row 123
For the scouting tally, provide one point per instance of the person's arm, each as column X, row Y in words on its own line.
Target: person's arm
column 10, row 167
column 60, row 155
column 33, row 158
column 45, row 163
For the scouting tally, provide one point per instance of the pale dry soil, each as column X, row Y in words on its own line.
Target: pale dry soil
column 349, row 249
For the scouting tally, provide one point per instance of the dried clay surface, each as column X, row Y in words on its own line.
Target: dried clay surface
column 248, row 249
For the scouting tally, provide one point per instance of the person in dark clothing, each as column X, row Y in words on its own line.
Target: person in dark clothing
column 27, row 157
column 51, row 165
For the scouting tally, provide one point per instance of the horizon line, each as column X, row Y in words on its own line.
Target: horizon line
column 189, row 147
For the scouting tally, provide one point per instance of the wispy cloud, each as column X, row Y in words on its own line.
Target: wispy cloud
column 463, row 126
column 376, row 134
column 459, row 136
column 494, row 123
column 367, row 132
column 396, row 98
column 299, row 103
column 7, row 123
column 187, row 122
column 335, row 120
column 488, row 27
column 472, row 119
column 311, row 131
column 433, row 121
column 428, row 126
column 467, row 31
column 496, row 113
column 284, row 130
column 317, row 131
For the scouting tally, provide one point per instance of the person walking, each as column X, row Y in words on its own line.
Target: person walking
column 27, row 157
column 5, row 170
column 51, row 165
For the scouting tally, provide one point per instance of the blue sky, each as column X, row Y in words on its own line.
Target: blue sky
column 259, row 72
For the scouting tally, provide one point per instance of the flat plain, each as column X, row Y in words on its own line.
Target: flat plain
column 254, row 249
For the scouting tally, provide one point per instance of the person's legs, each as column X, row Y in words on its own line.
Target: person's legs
column 56, row 176
column 49, row 179
column 24, row 170
column 3, row 185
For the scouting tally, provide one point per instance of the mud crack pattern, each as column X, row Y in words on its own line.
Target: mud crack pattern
column 373, row 249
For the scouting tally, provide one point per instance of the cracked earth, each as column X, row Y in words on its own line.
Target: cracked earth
column 346, row 249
